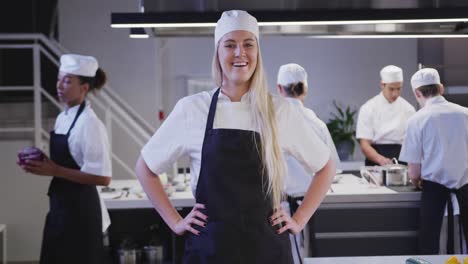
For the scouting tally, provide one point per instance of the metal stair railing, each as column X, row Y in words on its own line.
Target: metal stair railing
column 115, row 109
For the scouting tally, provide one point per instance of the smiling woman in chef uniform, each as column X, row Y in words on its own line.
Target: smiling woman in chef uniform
column 235, row 136
column 382, row 119
column 79, row 160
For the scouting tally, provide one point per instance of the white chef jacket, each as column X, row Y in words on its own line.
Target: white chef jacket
column 383, row 122
column 298, row 179
column 88, row 144
column 437, row 138
column 182, row 133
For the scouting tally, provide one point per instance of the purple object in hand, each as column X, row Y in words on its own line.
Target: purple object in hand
column 30, row 153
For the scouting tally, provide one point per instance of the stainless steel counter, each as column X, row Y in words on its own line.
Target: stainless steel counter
column 349, row 191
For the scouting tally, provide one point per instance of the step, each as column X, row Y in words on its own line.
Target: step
column 25, row 110
column 13, row 125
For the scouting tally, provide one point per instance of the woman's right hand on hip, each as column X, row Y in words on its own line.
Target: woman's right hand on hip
column 195, row 217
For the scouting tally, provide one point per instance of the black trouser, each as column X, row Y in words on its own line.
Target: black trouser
column 433, row 200
column 462, row 196
column 293, row 205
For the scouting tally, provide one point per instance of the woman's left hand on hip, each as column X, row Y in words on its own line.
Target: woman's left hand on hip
column 280, row 216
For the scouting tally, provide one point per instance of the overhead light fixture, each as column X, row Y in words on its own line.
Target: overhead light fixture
column 138, row 33
column 295, row 17
column 394, row 36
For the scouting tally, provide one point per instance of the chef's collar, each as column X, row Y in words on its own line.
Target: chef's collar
column 385, row 99
column 223, row 97
column 72, row 110
column 435, row 100
column 294, row 101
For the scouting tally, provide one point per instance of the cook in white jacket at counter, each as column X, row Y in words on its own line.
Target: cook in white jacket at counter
column 382, row 119
column 436, row 149
column 292, row 84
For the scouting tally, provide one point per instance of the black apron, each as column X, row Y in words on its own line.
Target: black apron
column 387, row 150
column 73, row 228
column 232, row 187
column 433, row 200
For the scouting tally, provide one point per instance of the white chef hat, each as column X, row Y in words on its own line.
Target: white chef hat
column 78, row 65
column 291, row 73
column 391, row 73
column 425, row 76
column 233, row 20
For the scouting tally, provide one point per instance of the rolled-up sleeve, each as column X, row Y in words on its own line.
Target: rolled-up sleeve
column 411, row 150
column 364, row 128
column 95, row 149
column 299, row 140
column 168, row 144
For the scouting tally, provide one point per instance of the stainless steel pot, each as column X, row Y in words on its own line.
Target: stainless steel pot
column 395, row 174
column 153, row 254
column 129, row 256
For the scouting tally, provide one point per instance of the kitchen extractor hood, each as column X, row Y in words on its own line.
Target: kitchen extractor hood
column 321, row 18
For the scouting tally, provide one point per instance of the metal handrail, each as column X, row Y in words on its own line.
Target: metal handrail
column 114, row 107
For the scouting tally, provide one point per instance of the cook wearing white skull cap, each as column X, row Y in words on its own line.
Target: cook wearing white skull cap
column 78, row 65
column 235, row 136
column 436, row 149
column 382, row 119
column 79, row 161
column 424, row 77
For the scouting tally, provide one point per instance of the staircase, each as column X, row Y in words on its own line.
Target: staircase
column 28, row 108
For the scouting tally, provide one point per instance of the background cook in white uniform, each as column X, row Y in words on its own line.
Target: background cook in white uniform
column 436, row 142
column 292, row 84
column 382, row 119
column 289, row 77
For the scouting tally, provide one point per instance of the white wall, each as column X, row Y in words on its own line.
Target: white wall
column 23, row 204
column 456, row 62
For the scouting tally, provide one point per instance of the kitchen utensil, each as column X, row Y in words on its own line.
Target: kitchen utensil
column 395, row 174
column 127, row 256
column 375, row 172
column 126, row 190
column 153, row 254
column 180, row 186
column 118, row 196
column 107, row 189
column 369, row 177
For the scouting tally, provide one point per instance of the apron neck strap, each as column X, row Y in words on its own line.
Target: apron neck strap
column 211, row 113
column 78, row 113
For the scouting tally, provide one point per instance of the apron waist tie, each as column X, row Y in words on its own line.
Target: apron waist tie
column 450, row 223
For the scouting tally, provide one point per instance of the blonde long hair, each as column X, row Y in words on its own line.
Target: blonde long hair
column 264, row 118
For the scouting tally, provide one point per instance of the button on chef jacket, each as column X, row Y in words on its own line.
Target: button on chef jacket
column 437, row 138
column 89, row 145
column 183, row 131
column 383, row 122
column 298, row 179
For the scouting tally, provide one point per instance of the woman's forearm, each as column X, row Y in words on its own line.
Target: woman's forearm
column 315, row 194
column 81, row 177
column 155, row 192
